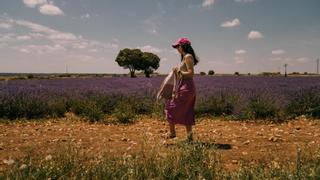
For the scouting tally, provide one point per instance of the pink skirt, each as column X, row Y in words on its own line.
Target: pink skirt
column 180, row 110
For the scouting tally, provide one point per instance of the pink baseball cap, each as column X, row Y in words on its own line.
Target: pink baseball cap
column 181, row 41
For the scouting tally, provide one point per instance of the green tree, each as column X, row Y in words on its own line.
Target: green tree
column 150, row 63
column 211, row 72
column 202, row 73
column 130, row 59
column 135, row 59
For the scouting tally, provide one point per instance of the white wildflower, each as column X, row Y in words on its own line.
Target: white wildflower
column 9, row 161
column 48, row 158
column 23, row 166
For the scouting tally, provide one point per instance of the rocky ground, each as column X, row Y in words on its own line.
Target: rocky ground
column 234, row 141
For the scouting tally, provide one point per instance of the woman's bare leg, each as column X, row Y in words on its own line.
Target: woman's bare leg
column 172, row 130
column 189, row 132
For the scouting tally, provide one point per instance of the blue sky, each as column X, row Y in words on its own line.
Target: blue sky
column 228, row 35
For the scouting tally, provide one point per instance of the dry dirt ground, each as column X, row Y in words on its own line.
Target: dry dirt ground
column 235, row 141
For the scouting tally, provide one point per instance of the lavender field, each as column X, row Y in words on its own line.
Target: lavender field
column 251, row 97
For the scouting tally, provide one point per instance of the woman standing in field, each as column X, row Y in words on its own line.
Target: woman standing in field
column 180, row 109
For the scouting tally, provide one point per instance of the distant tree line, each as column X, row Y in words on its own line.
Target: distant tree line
column 210, row 72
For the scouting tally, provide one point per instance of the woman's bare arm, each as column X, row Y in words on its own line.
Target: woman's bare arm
column 189, row 63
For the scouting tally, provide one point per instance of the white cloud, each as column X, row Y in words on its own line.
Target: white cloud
column 50, row 9
column 115, row 40
column 41, row 49
column 93, row 50
column 85, row 16
column 164, row 59
column 43, row 31
column 5, row 25
column 62, row 36
column 290, row 60
column 151, row 24
column 6, row 37
column 86, row 58
column 51, row 49
column 23, row 50
column 33, row 26
column 80, row 45
column 34, row 3
column 2, row 45
column 255, row 35
column 244, row 1
column 45, row 7
column 239, row 60
column 23, row 37
column 232, row 23
column 219, row 62
column 207, row 3
column 303, row 60
column 36, row 35
column 173, row 51
column 149, row 48
column 278, row 52
column 276, row 59
column 240, row 51
column 287, row 60
column 114, row 46
column 48, row 40
column 154, row 31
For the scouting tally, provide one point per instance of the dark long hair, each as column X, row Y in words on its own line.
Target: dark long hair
column 187, row 48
